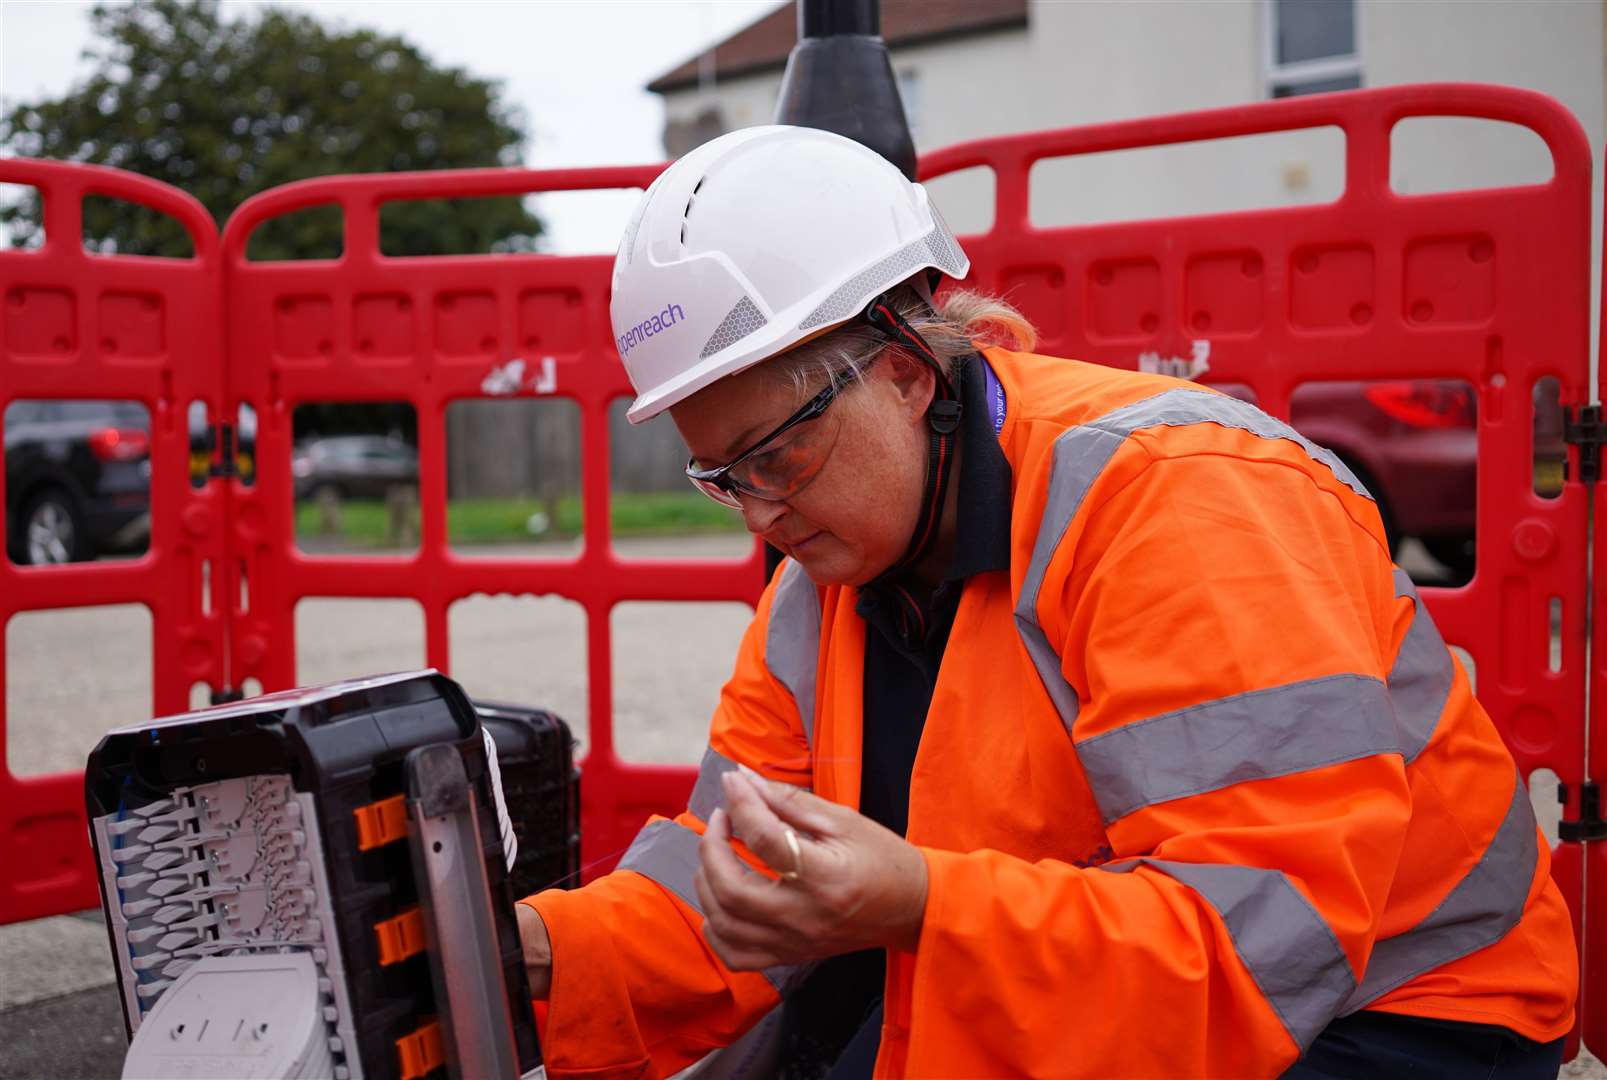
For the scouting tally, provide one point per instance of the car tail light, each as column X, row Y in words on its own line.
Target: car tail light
column 1425, row 403
column 119, row 444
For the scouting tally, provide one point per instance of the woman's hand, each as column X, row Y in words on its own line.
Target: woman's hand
column 858, row 885
column 537, row 951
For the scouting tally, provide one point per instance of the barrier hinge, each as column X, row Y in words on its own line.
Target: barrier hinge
column 224, row 465
column 1582, row 426
column 1589, row 825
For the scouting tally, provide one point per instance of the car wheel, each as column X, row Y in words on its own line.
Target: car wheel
column 1456, row 552
column 53, row 530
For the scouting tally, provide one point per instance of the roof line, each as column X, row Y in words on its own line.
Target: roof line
column 693, row 60
column 666, row 84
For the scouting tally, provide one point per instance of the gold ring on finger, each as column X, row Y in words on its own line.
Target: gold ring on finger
column 797, row 856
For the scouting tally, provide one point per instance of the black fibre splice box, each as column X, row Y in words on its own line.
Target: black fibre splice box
column 291, row 823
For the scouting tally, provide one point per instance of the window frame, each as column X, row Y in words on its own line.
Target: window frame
column 1276, row 76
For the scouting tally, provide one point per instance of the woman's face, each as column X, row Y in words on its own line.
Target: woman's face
column 855, row 518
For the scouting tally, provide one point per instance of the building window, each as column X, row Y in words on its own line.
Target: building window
column 1311, row 47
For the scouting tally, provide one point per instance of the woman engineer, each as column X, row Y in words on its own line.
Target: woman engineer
column 1086, row 730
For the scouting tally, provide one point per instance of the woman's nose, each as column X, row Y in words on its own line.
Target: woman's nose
column 760, row 515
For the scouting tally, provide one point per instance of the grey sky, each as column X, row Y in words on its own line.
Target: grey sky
column 577, row 68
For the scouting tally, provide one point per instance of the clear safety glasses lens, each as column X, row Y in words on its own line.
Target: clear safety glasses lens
column 717, row 493
column 780, row 470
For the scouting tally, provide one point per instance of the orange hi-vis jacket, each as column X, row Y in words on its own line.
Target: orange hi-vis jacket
column 1199, row 775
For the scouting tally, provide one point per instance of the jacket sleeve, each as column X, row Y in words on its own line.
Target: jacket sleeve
column 1226, row 627
column 636, row 991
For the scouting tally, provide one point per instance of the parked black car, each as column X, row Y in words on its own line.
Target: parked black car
column 353, row 466
column 78, row 480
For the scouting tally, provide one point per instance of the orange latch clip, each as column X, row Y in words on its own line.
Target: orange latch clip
column 381, row 822
column 421, row 1051
column 400, row 936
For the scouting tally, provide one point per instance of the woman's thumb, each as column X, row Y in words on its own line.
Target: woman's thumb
column 799, row 807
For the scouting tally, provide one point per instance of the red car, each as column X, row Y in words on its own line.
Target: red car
column 1414, row 444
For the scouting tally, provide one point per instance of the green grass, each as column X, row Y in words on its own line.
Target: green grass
column 1547, row 478
column 363, row 522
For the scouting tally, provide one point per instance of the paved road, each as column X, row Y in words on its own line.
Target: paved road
column 73, row 674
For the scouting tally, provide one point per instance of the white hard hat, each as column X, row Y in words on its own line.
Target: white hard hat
column 756, row 241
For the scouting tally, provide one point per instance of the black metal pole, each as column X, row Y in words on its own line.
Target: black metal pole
column 839, row 78
column 823, row 18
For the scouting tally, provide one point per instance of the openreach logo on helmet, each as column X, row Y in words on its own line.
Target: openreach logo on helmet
column 645, row 329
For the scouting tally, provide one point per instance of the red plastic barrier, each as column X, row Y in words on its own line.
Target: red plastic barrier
column 1489, row 286
column 76, row 325
column 296, row 334
column 1593, row 1009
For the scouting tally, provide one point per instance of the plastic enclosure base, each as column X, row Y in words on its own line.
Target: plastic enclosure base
column 223, row 871
column 236, row 1017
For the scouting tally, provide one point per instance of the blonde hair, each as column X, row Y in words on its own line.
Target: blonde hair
column 963, row 322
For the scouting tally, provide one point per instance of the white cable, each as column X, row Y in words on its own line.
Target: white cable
column 510, row 844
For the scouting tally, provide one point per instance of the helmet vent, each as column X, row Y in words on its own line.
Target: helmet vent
column 629, row 246
column 687, row 212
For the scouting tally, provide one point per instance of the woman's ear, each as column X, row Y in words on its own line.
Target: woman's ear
column 913, row 380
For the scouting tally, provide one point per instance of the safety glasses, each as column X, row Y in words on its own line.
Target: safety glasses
column 781, row 464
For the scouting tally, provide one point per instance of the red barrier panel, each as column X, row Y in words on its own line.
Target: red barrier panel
column 1594, row 870
column 77, row 325
column 1533, row 258
column 294, row 336
column 1488, row 286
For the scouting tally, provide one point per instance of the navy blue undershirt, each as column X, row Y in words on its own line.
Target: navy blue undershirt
column 907, row 631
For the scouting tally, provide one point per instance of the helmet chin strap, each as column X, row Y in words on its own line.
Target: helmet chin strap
column 942, row 421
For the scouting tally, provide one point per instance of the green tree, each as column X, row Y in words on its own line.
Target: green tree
column 225, row 108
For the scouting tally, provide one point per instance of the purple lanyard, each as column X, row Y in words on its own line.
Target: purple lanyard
column 995, row 396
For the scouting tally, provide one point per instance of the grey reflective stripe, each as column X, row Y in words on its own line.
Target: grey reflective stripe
column 1184, row 406
column 1420, row 681
column 708, row 793
column 1081, row 453
column 758, row 1053
column 665, row 853
column 937, row 248
column 792, row 640
column 739, row 322
column 1479, row 911
column 1047, row 661
column 1250, row 736
column 1287, row 947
